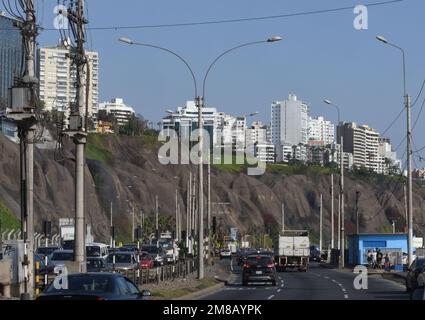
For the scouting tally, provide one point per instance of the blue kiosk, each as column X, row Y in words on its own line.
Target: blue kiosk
column 392, row 244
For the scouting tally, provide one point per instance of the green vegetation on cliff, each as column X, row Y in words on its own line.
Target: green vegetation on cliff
column 7, row 219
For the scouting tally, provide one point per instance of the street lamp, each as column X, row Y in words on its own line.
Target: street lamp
column 199, row 100
column 409, row 150
column 341, row 188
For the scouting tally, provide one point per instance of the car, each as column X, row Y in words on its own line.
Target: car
column 146, row 261
column 123, row 261
column 157, row 254
column 225, row 253
column 95, row 286
column 97, row 250
column 95, row 264
column 58, row 258
column 259, row 268
column 47, row 251
column 243, row 254
column 414, row 275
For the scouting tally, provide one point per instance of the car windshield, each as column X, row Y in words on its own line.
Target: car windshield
column 259, row 260
column 120, row 258
column 151, row 249
column 84, row 284
column 63, row 256
column 93, row 251
column 46, row 250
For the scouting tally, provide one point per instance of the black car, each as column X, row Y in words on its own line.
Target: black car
column 95, row 264
column 259, row 268
column 95, row 286
column 415, row 270
column 47, row 251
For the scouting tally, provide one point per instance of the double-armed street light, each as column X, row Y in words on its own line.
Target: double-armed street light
column 200, row 100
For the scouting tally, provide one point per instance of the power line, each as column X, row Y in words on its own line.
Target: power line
column 419, row 95
column 237, row 20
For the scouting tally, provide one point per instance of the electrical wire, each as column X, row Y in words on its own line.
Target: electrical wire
column 419, row 95
column 236, row 20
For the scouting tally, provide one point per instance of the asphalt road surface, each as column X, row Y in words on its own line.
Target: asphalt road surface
column 317, row 283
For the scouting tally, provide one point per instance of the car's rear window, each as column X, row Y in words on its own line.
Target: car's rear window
column 258, row 260
column 120, row 258
column 62, row 256
column 84, row 284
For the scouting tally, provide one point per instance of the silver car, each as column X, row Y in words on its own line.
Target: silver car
column 59, row 258
column 121, row 260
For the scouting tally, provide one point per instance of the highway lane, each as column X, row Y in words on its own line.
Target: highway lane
column 316, row 284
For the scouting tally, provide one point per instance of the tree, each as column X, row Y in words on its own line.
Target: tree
column 136, row 126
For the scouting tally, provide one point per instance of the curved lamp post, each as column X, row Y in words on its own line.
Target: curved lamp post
column 409, row 150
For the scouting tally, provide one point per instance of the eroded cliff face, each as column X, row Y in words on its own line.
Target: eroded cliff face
column 125, row 171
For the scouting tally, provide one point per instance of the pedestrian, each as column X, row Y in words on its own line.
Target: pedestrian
column 379, row 257
column 369, row 258
column 387, row 262
column 374, row 257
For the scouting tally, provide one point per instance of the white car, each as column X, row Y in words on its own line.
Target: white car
column 225, row 253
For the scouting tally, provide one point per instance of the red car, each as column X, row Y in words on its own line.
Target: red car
column 146, row 261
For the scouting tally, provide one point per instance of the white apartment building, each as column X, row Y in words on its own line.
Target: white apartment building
column 119, row 109
column 258, row 143
column 57, row 79
column 185, row 119
column 321, row 130
column 366, row 146
column 289, row 127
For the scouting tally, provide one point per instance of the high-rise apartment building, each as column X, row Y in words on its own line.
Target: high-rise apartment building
column 118, row 109
column 321, row 130
column 289, row 127
column 58, row 76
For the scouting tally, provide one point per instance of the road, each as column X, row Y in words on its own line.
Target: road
column 317, row 283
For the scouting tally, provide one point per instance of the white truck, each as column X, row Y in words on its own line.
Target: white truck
column 292, row 250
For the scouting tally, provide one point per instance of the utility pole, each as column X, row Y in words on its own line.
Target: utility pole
column 142, row 224
column 200, row 103
column 339, row 222
column 209, row 235
column 332, row 214
column 409, row 180
column 132, row 224
column 156, row 221
column 342, row 205
column 76, row 128
column 188, row 212
column 112, row 228
column 22, row 108
column 357, row 212
column 177, row 219
column 321, row 223
column 283, row 218
column 405, row 208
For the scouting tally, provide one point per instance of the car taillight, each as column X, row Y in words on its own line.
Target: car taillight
column 246, row 266
column 100, row 299
column 271, row 265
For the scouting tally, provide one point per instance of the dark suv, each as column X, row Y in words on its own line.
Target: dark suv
column 259, row 268
column 413, row 273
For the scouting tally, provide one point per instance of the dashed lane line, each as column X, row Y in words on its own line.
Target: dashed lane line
column 271, row 297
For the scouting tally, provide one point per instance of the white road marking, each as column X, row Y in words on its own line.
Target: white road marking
column 271, row 297
column 345, row 296
column 231, row 264
column 278, row 290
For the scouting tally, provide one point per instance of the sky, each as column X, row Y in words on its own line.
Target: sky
column 321, row 56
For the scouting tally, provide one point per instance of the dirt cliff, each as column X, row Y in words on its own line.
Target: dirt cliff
column 125, row 171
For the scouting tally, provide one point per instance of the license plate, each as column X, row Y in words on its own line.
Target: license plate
column 259, row 272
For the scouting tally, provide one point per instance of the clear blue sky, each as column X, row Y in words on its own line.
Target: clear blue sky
column 322, row 56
